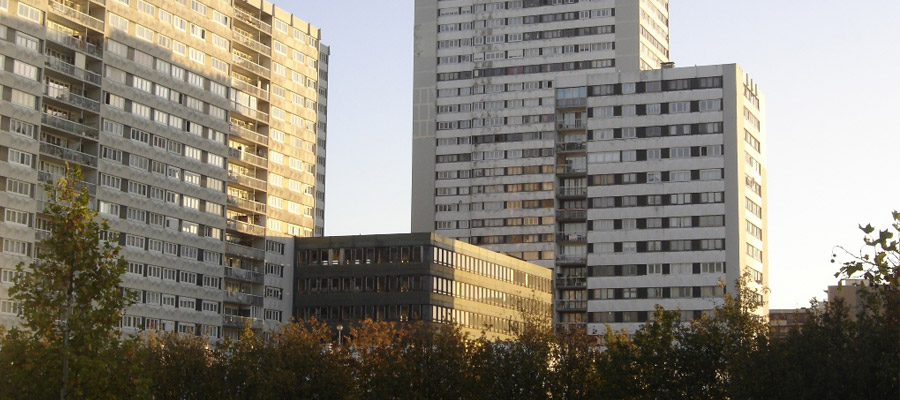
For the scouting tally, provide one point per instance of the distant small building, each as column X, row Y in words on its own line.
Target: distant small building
column 783, row 321
column 848, row 291
column 418, row 277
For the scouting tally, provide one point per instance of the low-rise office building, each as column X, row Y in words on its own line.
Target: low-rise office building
column 417, row 277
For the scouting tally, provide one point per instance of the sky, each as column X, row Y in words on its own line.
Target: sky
column 828, row 70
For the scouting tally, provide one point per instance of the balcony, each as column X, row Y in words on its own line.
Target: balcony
column 68, row 154
column 244, row 227
column 74, row 43
column 571, row 215
column 249, row 19
column 244, row 110
column 69, row 126
column 245, row 251
column 571, row 237
column 241, row 179
column 571, row 305
column 53, row 178
column 246, row 204
column 571, row 259
column 571, row 282
column 571, row 147
column 567, row 125
column 77, row 16
column 243, row 298
column 576, row 191
column 566, row 169
column 248, row 134
column 63, row 67
column 72, row 99
column 249, row 88
column 235, row 154
column 234, row 321
column 251, row 43
column 578, row 102
column 249, row 65
column 244, row 275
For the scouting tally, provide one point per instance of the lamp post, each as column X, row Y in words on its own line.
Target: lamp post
column 340, row 328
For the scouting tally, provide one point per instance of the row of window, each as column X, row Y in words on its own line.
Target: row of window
column 162, row 325
column 172, row 249
column 16, row 247
column 174, row 173
column 163, row 92
column 490, row 105
column 658, row 269
column 681, row 292
column 170, row 274
column 491, row 270
column 650, row 246
column 696, row 221
column 147, row 217
column 495, row 138
column 655, row 131
column 496, row 206
column 513, row 21
column 494, row 155
column 498, row 171
column 655, row 154
column 610, row 317
column 498, row 188
column 361, row 284
column 487, row 296
column 495, row 121
column 494, row 88
column 513, row 239
column 393, row 312
column 677, row 107
column 523, row 53
column 159, row 194
column 656, row 177
column 527, row 69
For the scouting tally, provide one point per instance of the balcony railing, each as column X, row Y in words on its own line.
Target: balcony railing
column 74, row 43
column 245, row 133
column 247, row 157
column 568, row 103
column 571, row 259
column 570, row 169
column 249, row 65
column 571, row 237
column 244, row 227
column 53, row 178
column 251, row 43
column 251, row 89
column 244, row 275
column 69, row 126
column 71, row 99
column 251, row 205
column 568, row 147
column 252, row 21
column 571, row 304
column 576, row 124
column 68, row 154
column 243, row 298
column 245, row 251
column 40, row 235
column 71, row 70
column 240, row 179
column 77, row 16
column 570, row 215
column 571, row 282
column 234, row 321
column 572, row 191
column 250, row 112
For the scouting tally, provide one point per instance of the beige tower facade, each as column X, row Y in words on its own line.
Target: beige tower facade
column 199, row 127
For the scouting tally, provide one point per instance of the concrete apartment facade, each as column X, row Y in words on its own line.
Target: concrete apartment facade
column 560, row 134
column 200, row 128
column 418, row 277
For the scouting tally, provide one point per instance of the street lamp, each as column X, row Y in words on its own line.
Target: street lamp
column 339, row 328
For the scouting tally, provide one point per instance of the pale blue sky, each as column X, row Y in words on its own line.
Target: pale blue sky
column 828, row 69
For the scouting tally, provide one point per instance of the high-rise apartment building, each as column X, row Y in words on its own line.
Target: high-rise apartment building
column 200, row 128
column 557, row 132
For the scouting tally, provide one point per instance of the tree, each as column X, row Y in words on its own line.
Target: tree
column 70, row 298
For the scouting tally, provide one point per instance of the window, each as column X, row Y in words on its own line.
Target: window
column 30, row 13
column 22, row 128
column 18, row 217
column 25, row 70
column 711, row 105
column 105, row 208
column 18, row 187
column 679, row 107
column 23, row 99
column 27, row 41
column 20, row 157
